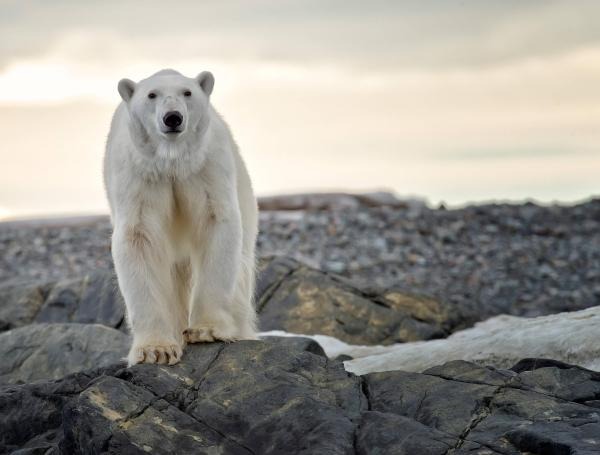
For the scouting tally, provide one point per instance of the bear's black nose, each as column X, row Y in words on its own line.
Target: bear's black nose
column 173, row 119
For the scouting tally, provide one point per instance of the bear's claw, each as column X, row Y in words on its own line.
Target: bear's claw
column 165, row 355
column 207, row 334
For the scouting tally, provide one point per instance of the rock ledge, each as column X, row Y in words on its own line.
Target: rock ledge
column 277, row 397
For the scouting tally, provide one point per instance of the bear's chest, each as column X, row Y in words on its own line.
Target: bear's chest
column 189, row 207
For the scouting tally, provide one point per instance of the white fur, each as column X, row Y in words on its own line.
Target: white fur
column 184, row 217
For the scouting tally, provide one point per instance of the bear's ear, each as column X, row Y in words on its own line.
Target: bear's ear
column 206, row 81
column 126, row 88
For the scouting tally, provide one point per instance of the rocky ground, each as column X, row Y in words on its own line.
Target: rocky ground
column 290, row 296
column 366, row 270
column 256, row 397
column 524, row 260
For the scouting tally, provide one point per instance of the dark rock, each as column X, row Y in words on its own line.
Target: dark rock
column 272, row 397
column 272, row 272
column 299, row 343
column 534, row 364
column 31, row 415
column 246, row 397
column 51, row 351
column 20, row 303
column 518, row 259
column 559, row 379
column 444, row 404
column 343, row 357
column 495, row 411
column 101, row 301
column 95, row 298
column 299, row 299
column 62, row 301
column 383, row 433
column 289, row 296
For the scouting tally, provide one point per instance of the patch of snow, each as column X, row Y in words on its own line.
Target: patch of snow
column 500, row 341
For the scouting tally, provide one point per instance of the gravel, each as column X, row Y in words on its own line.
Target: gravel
column 519, row 259
column 54, row 249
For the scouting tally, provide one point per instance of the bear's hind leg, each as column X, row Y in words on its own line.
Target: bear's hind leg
column 221, row 307
column 242, row 309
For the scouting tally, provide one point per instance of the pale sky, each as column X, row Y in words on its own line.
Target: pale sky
column 454, row 101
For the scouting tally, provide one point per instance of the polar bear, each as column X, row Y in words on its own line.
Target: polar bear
column 184, row 217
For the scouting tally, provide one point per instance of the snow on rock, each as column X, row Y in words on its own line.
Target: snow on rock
column 500, row 341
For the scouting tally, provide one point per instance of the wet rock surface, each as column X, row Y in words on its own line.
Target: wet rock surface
column 270, row 397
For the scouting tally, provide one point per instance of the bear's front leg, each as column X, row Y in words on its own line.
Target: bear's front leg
column 145, row 281
column 216, row 267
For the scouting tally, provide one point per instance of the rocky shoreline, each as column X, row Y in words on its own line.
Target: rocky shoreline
column 365, row 270
column 273, row 397
column 525, row 260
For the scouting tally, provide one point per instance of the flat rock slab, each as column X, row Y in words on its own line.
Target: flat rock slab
column 270, row 398
column 51, row 351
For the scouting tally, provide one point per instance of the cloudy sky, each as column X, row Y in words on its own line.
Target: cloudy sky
column 453, row 101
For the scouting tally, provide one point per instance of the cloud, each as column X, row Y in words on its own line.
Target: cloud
column 380, row 34
column 452, row 100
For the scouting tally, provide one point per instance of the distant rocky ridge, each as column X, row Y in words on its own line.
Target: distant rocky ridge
column 335, row 201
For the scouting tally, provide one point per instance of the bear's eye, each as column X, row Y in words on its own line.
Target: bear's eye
column 151, row 95
column 187, row 93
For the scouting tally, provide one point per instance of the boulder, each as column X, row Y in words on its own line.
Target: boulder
column 296, row 298
column 274, row 397
column 290, row 296
column 20, row 302
column 94, row 298
column 51, row 351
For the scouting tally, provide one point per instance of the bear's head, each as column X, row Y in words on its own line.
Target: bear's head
column 167, row 109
